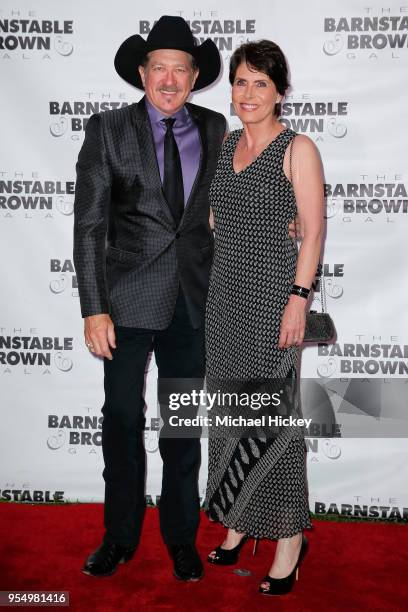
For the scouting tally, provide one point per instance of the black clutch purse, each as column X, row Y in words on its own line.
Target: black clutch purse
column 319, row 325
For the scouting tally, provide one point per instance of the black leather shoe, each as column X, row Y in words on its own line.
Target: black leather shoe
column 187, row 563
column 105, row 559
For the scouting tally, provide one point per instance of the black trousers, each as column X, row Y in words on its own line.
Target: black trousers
column 179, row 352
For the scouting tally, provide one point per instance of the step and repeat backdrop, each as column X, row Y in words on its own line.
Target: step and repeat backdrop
column 348, row 64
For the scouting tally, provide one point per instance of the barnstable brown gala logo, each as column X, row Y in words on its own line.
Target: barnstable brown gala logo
column 385, row 358
column 368, row 200
column 82, row 430
column 25, row 35
column 385, row 511
column 226, row 33
column 69, row 117
column 31, row 495
column 372, row 34
column 63, row 277
column 32, row 352
column 32, row 194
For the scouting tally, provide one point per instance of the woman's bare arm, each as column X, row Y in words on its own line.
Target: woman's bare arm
column 307, row 181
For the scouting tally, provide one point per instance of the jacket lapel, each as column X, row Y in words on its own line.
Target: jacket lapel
column 148, row 157
column 199, row 121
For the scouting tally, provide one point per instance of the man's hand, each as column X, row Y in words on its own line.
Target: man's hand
column 100, row 335
column 295, row 229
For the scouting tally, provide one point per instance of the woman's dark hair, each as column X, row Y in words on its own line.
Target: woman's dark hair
column 264, row 56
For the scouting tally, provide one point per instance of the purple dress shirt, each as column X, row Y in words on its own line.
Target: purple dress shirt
column 188, row 141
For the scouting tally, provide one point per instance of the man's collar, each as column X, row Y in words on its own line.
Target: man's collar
column 156, row 116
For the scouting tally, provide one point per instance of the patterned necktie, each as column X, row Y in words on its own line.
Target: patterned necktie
column 173, row 177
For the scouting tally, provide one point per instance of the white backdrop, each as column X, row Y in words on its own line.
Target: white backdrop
column 348, row 63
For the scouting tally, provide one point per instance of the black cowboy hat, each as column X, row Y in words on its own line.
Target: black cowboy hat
column 168, row 33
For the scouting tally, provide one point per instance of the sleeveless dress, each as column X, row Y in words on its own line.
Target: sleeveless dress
column 255, row 485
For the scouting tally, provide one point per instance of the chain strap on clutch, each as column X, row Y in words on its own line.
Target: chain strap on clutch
column 319, row 325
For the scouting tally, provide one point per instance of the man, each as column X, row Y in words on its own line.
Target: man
column 142, row 250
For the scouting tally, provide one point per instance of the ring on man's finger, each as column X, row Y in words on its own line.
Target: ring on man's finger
column 90, row 346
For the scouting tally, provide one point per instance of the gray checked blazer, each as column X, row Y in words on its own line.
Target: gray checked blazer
column 129, row 256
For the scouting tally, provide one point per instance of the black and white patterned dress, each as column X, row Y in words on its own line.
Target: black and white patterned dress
column 255, row 485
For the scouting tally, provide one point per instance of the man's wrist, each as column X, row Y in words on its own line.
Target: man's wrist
column 95, row 314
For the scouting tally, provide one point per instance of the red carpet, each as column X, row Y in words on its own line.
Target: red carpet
column 349, row 566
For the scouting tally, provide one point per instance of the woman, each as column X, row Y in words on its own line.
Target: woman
column 256, row 309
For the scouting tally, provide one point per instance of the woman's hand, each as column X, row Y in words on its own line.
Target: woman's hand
column 292, row 329
column 295, row 229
